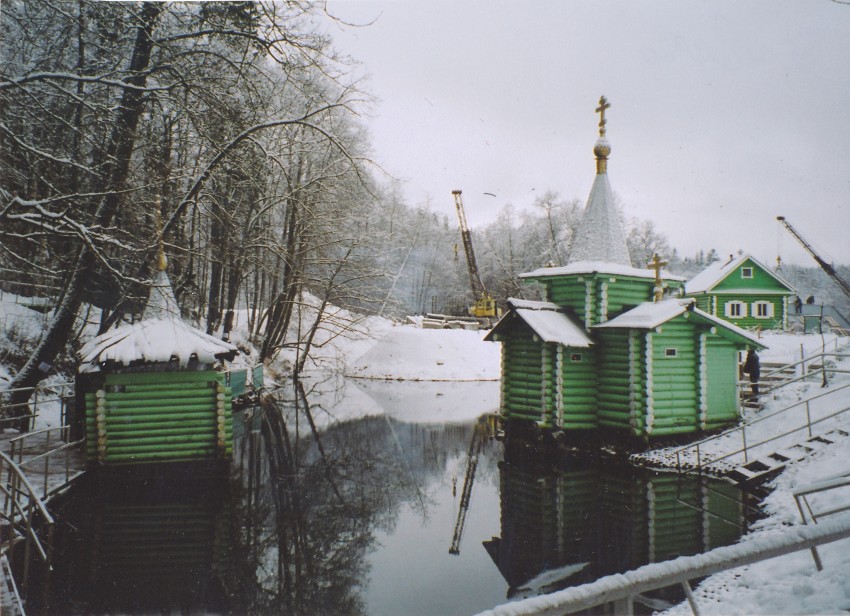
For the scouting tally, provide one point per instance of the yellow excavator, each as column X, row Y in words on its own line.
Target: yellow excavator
column 484, row 306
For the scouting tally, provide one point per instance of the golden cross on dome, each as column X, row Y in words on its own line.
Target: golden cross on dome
column 656, row 264
column 603, row 105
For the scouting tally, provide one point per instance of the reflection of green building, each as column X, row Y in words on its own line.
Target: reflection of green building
column 143, row 548
column 616, row 347
column 567, row 527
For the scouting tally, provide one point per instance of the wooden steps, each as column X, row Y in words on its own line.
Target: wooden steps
column 766, row 467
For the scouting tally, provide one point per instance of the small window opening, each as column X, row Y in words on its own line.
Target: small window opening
column 670, row 352
column 746, row 272
column 575, row 357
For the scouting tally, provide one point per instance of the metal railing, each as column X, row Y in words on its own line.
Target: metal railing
column 41, row 394
column 23, row 510
column 44, row 439
column 623, row 589
column 801, row 497
column 767, row 380
column 742, row 429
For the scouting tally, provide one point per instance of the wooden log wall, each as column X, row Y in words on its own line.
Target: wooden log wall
column 159, row 417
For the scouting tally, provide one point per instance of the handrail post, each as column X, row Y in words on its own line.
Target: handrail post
column 699, row 459
column 34, row 408
column 744, row 438
column 686, row 586
column 46, row 466
column 809, row 418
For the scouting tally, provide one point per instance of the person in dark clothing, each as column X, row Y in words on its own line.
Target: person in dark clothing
column 753, row 369
column 798, row 304
column 810, row 300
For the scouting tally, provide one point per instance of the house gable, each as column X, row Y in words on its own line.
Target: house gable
column 751, row 277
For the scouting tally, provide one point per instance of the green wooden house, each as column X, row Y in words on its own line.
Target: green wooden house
column 153, row 391
column 742, row 291
column 615, row 347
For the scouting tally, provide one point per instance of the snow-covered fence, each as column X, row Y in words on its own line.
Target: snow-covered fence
column 625, row 587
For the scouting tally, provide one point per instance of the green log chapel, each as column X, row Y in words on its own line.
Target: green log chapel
column 614, row 347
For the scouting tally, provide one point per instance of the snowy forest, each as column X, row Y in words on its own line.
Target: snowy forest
column 232, row 132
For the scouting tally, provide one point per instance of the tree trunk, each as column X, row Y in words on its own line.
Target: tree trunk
column 121, row 148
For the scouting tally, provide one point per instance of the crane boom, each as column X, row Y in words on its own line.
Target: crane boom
column 845, row 286
column 478, row 289
column 484, row 306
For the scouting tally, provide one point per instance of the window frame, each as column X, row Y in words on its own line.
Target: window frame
column 730, row 307
column 768, row 309
column 747, row 272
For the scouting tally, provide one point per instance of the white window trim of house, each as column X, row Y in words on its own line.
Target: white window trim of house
column 728, row 309
column 746, row 272
column 768, row 310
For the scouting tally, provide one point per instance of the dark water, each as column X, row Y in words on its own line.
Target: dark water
column 362, row 521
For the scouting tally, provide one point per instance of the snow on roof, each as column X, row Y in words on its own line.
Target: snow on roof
column 161, row 301
column 154, row 340
column 159, row 336
column 650, row 315
column 598, row 267
column 528, row 304
column 730, row 326
column 717, row 271
column 546, row 321
column 599, row 236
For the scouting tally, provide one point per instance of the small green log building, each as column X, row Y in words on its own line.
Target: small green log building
column 614, row 347
column 150, row 392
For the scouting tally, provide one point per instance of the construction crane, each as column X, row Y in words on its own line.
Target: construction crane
column 845, row 286
column 485, row 305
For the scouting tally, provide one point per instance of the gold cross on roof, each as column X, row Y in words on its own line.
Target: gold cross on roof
column 656, row 264
column 603, row 105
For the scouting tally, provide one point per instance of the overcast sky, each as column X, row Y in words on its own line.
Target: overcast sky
column 723, row 114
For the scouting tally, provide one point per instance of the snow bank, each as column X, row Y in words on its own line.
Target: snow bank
column 411, row 354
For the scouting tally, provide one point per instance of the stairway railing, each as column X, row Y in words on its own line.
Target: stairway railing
column 699, row 446
column 24, row 512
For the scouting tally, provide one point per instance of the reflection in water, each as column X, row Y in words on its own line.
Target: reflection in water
column 139, row 544
column 369, row 516
column 574, row 524
column 290, row 530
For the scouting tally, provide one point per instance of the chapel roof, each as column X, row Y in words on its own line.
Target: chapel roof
column 160, row 336
column 599, row 236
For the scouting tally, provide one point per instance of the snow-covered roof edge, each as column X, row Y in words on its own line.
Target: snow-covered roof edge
column 546, row 320
column 599, row 267
column 650, row 315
